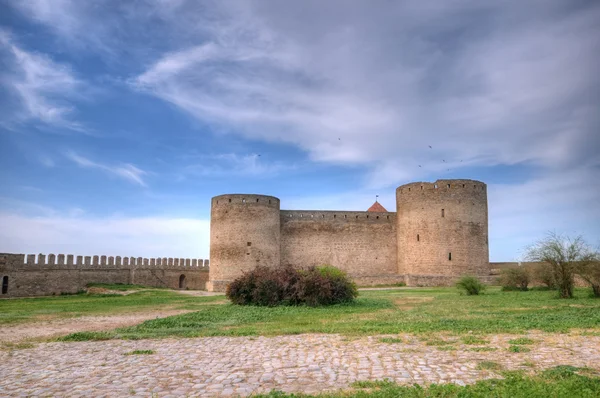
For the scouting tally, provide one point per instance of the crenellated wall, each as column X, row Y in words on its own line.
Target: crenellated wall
column 38, row 275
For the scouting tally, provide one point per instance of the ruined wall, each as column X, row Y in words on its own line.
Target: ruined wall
column 244, row 233
column 442, row 231
column 361, row 243
column 33, row 275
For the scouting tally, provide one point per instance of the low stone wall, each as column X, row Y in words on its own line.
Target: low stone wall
column 374, row 280
column 24, row 276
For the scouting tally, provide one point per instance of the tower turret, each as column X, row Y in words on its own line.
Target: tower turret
column 442, row 231
column 244, row 233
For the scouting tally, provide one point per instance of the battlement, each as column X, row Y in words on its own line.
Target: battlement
column 440, row 186
column 337, row 215
column 69, row 261
column 244, row 200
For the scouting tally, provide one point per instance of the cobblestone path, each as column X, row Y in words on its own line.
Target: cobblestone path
column 222, row 366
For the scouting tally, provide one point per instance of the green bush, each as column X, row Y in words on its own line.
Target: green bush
column 514, row 279
column 470, row 285
column 315, row 286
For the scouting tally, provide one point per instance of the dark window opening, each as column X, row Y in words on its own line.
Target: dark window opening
column 448, row 185
column 408, row 189
column 217, row 202
column 269, row 201
column 335, row 215
column 435, row 185
column 256, row 200
column 377, row 217
column 243, row 200
column 388, row 217
column 367, row 216
column 418, row 238
column 229, row 200
column 450, row 256
column 5, row 285
column 356, row 216
column 421, row 187
column 322, row 215
column 344, row 216
column 463, row 185
column 442, row 212
column 182, row 281
column 249, row 243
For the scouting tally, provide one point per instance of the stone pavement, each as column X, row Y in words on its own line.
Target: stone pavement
column 224, row 366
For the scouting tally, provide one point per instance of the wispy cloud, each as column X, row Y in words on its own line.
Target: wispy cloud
column 232, row 164
column 125, row 171
column 44, row 88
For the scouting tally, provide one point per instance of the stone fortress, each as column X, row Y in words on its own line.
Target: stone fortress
column 438, row 233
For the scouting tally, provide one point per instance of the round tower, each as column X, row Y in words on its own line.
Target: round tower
column 442, row 231
column 244, row 233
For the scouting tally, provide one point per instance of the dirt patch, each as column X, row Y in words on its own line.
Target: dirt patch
column 407, row 303
column 60, row 327
column 198, row 293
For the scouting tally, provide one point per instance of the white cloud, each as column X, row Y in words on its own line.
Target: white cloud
column 377, row 86
column 45, row 89
column 125, row 171
column 137, row 237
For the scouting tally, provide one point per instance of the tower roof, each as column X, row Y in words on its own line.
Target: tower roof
column 378, row 208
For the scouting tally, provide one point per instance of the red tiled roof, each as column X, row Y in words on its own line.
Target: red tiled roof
column 377, row 208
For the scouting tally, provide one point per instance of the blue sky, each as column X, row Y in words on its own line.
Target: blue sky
column 120, row 120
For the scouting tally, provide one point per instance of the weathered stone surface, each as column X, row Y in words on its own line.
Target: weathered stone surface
column 221, row 366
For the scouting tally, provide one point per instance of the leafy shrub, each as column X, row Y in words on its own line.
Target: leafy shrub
column 514, row 279
column 470, row 285
column 263, row 286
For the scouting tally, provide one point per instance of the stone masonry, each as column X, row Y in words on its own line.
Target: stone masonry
column 438, row 233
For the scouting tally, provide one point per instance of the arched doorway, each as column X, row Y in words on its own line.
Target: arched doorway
column 182, row 281
column 5, row 285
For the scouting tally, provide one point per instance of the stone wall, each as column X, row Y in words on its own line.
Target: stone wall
column 41, row 275
column 361, row 243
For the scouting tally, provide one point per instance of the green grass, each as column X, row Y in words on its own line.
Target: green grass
column 482, row 349
column 15, row 311
column 562, row 381
column 518, row 348
column 390, row 340
column 122, row 286
column 140, row 352
column 473, row 340
column 489, row 365
column 521, row 341
column 418, row 311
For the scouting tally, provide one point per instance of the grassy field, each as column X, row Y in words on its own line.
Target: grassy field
column 561, row 381
column 14, row 311
column 418, row 311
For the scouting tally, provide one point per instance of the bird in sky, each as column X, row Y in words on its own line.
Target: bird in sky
column 429, row 146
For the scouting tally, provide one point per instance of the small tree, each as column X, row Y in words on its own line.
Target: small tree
column 564, row 256
column 543, row 274
column 514, row 279
column 590, row 272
